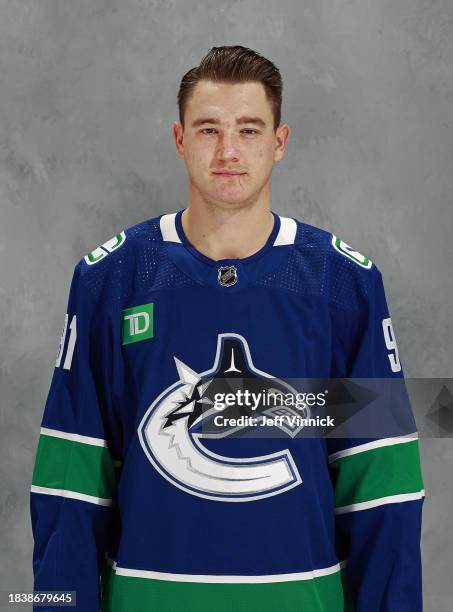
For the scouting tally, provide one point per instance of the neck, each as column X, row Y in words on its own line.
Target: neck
column 222, row 233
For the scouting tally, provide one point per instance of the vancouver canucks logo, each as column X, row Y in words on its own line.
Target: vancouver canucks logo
column 170, row 431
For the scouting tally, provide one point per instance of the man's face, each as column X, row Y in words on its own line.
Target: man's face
column 228, row 143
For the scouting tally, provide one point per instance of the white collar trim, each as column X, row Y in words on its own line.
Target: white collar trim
column 168, row 228
column 286, row 233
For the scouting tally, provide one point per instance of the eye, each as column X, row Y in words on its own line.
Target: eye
column 247, row 131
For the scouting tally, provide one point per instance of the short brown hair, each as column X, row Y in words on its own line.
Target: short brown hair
column 234, row 64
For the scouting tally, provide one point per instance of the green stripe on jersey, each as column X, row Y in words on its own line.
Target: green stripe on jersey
column 74, row 466
column 130, row 594
column 376, row 473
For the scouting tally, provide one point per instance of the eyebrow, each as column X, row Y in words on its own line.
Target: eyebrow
column 239, row 121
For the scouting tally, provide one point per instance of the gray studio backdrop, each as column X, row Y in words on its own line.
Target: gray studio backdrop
column 87, row 97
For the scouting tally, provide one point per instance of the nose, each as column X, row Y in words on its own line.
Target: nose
column 227, row 148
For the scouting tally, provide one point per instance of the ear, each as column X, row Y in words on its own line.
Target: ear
column 281, row 138
column 178, row 135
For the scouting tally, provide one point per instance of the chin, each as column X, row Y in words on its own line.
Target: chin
column 232, row 199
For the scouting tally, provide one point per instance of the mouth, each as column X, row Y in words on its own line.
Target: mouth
column 229, row 173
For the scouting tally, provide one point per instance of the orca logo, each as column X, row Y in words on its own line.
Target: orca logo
column 170, row 432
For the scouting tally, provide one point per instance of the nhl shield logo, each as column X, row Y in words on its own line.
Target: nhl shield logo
column 227, row 275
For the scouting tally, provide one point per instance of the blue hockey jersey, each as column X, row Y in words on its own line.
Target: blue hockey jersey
column 134, row 510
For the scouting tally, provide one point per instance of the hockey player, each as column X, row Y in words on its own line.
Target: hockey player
column 132, row 507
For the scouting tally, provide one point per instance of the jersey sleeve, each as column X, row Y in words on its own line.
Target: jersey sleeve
column 378, row 486
column 73, row 485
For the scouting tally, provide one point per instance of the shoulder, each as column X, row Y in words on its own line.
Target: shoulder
column 348, row 274
column 111, row 263
column 330, row 244
column 124, row 242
